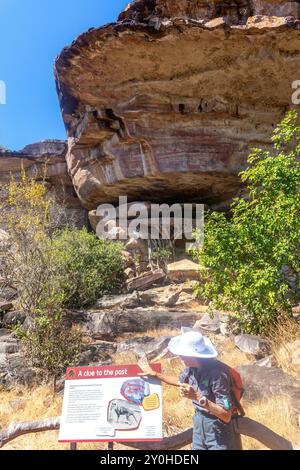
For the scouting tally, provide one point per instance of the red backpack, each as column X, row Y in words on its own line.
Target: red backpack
column 237, row 391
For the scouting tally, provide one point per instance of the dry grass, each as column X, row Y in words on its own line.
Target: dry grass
column 275, row 413
column 152, row 333
column 27, row 404
column 125, row 358
column 282, row 338
column 229, row 353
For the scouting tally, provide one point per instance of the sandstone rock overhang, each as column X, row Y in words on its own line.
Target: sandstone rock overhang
column 166, row 103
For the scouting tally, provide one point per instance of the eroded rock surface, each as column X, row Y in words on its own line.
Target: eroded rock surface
column 109, row 324
column 166, row 103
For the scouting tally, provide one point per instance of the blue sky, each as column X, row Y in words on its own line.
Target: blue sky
column 32, row 34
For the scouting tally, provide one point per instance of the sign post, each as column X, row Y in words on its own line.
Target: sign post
column 111, row 404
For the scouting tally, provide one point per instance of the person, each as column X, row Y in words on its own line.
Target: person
column 207, row 382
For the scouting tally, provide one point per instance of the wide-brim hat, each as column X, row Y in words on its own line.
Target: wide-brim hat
column 192, row 344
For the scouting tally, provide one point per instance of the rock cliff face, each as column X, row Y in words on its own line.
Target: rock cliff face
column 166, row 103
column 46, row 158
column 234, row 11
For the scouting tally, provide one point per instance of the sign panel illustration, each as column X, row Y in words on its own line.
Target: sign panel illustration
column 111, row 404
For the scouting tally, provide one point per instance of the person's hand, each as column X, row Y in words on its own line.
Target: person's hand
column 146, row 368
column 187, row 391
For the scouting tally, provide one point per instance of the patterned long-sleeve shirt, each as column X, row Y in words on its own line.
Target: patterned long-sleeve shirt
column 212, row 380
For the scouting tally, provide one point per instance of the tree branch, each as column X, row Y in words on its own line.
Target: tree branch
column 30, row 427
column 244, row 426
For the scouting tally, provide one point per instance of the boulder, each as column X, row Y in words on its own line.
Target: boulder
column 209, row 323
column 5, row 334
column 167, row 296
column 146, row 280
column 7, row 292
column 123, row 301
column 112, row 231
column 3, row 361
column 151, row 347
column 108, row 325
column 184, row 270
column 263, row 382
column 138, row 250
column 215, row 23
column 9, row 347
column 13, row 318
column 254, row 345
column 268, row 361
column 185, row 299
column 94, row 219
column 97, row 353
column 9, row 344
column 266, row 22
column 15, row 371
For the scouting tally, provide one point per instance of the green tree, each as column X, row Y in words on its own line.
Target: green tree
column 250, row 260
column 28, row 215
column 84, row 267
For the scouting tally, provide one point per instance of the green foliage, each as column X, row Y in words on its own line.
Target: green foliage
column 84, row 267
column 29, row 213
column 250, row 261
column 50, row 343
column 26, row 213
column 51, row 269
column 161, row 256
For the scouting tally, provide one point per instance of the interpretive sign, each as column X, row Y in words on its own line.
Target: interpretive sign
column 111, row 404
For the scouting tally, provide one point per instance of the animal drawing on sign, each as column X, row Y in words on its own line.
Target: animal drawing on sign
column 121, row 411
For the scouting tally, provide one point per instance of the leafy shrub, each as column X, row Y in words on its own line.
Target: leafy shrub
column 161, row 256
column 84, row 267
column 50, row 343
column 51, row 270
column 28, row 215
column 250, row 260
